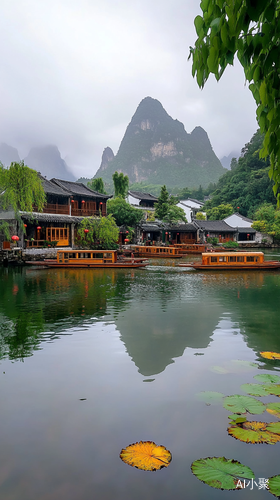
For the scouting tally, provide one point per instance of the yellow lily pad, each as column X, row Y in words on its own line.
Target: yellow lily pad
column 146, row 455
column 256, row 432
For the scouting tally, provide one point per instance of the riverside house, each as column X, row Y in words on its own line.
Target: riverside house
column 67, row 204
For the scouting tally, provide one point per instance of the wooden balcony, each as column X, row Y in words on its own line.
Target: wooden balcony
column 50, row 208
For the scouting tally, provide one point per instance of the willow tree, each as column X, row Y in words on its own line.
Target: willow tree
column 21, row 188
column 97, row 185
column 250, row 29
column 121, row 183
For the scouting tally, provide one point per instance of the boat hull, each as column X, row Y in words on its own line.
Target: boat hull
column 258, row 267
column 130, row 265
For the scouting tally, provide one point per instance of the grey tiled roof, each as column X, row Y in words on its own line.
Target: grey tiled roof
column 246, row 230
column 181, row 227
column 52, row 188
column 78, row 188
column 142, row 196
column 214, row 225
column 37, row 216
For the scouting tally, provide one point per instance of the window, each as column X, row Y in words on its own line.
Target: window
column 232, row 258
column 222, row 259
column 214, row 259
column 250, row 259
column 240, row 258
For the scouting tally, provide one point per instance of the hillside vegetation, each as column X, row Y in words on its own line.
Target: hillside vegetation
column 247, row 185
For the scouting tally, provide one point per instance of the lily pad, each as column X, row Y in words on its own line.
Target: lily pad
column 273, row 409
column 270, row 355
column 274, row 485
column 146, row 455
column 243, row 404
column 255, row 389
column 268, row 379
column 220, row 472
column 273, row 389
column 210, row 397
column 238, row 418
column 256, row 432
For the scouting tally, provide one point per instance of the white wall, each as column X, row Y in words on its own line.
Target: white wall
column 133, row 201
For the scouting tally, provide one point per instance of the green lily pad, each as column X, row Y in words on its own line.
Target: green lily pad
column 268, row 379
column 220, row 472
column 273, row 389
column 243, row 404
column 273, row 409
column 238, row 418
column 255, row 389
column 274, row 485
column 210, row 397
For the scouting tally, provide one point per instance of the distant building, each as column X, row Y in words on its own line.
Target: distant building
column 191, row 207
column 245, row 232
column 141, row 200
column 215, row 229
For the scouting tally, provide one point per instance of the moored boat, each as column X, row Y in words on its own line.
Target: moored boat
column 232, row 261
column 169, row 252
column 88, row 259
column 190, row 247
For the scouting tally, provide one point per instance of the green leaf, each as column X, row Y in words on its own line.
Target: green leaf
column 219, row 369
column 255, row 389
column 243, row 404
column 210, row 397
column 220, row 472
column 267, row 378
column 199, row 23
column 212, row 59
column 215, row 22
column 242, row 365
column 274, row 485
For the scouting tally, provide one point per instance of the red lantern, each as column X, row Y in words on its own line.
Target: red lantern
column 38, row 228
column 126, row 240
column 25, row 225
column 15, row 238
column 83, row 201
column 126, row 232
column 237, row 207
column 101, row 203
column 86, row 231
column 72, row 201
column 166, row 233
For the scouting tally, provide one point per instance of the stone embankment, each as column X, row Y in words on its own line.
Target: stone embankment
column 18, row 256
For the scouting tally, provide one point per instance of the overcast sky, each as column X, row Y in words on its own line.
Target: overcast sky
column 74, row 71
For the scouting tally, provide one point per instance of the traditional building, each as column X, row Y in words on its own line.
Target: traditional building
column 67, row 204
column 215, row 229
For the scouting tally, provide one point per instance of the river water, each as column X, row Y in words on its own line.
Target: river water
column 94, row 360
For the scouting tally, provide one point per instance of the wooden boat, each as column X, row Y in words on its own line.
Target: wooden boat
column 157, row 252
column 89, row 258
column 190, row 247
column 233, row 261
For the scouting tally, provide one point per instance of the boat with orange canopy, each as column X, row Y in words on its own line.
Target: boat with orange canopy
column 232, row 261
column 90, row 258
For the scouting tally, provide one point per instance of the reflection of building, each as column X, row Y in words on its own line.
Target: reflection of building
column 67, row 203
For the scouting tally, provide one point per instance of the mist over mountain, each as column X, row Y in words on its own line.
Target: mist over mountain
column 48, row 161
column 158, row 150
column 226, row 160
column 8, row 154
